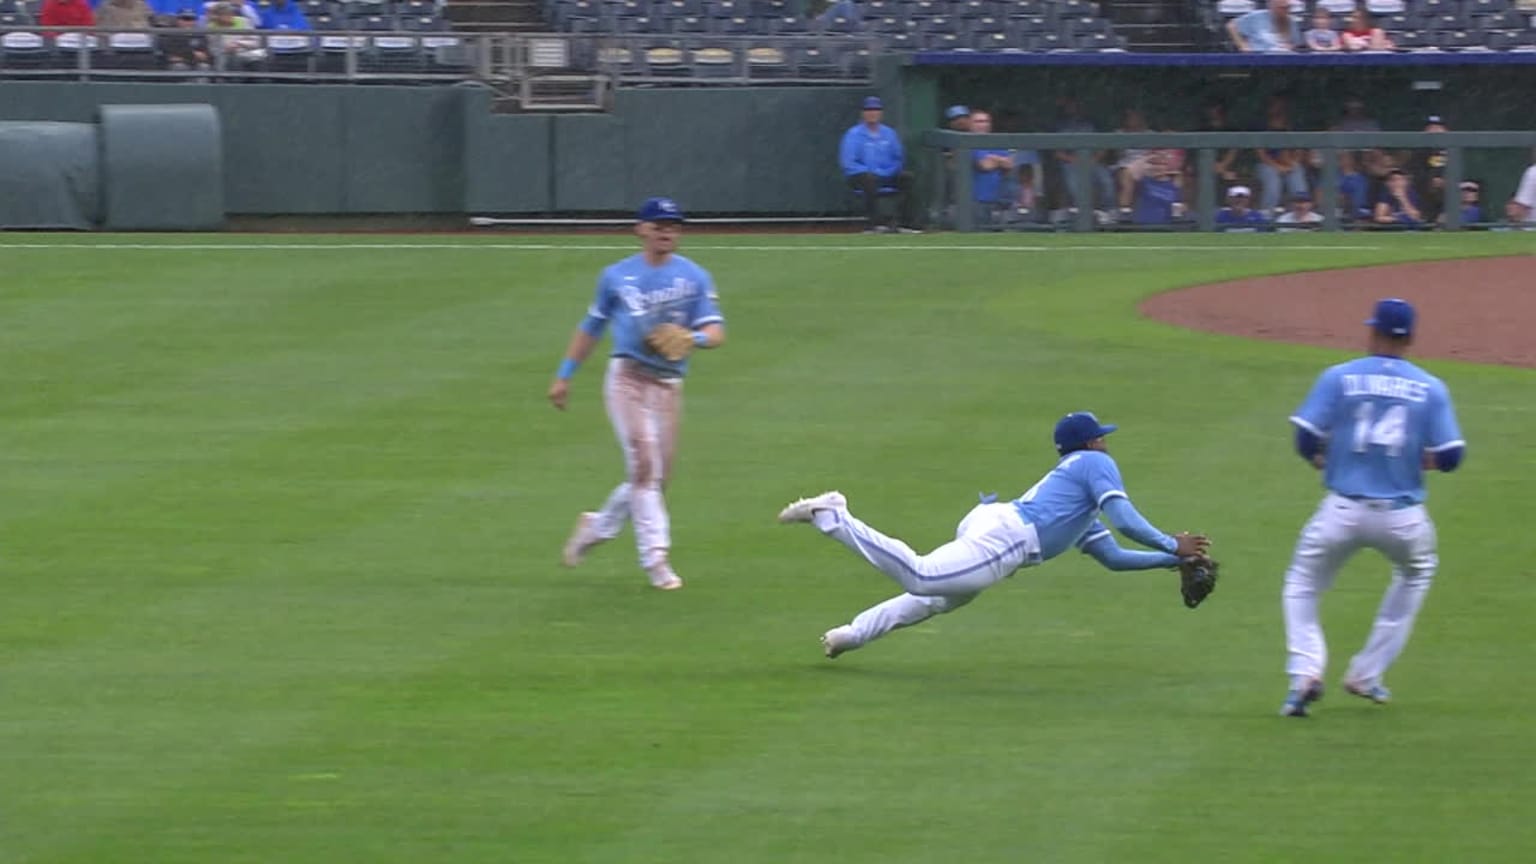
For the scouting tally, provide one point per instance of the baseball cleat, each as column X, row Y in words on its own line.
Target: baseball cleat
column 1297, row 700
column 663, row 578
column 838, row 640
column 1374, row 692
column 583, row 537
column 802, row 510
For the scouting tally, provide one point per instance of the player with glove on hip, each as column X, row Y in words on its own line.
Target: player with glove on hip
column 661, row 306
column 997, row 538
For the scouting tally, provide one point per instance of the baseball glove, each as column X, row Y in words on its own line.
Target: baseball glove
column 671, row 341
column 1197, row 578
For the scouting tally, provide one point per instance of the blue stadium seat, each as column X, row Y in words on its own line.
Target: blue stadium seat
column 899, row 42
column 681, row 8
column 68, row 46
column 1085, row 26
column 841, row 25
column 943, row 42
column 638, row 24
column 290, row 52
column 1487, row 7
column 415, row 8
column 1454, row 20
column 1049, row 42
column 817, row 62
column 1032, row 25
column 713, row 62
column 888, row 26
column 129, row 51
column 395, row 52
column 1414, row 40
column 788, row 25
column 993, row 41
column 1026, row 8
column 940, row 26
column 688, row 24
column 987, row 26
column 665, row 61
column 926, row 9
column 734, row 26
column 9, row 7
column 1460, row 39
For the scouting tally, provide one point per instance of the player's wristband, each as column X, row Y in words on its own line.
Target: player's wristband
column 567, row 369
column 700, row 339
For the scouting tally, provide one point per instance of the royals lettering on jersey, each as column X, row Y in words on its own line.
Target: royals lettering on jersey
column 1378, row 415
column 633, row 297
column 1064, row 505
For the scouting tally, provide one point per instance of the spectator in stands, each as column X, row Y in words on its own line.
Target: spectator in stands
column 1228, row 162
column 1354, row 188
column 992, row 176
column 282, row 15
column 237, row 49
column 1264, row 30
column 186, row 50
column 1073, row 120
column 1322, row 36
column 872, row 159
column 1133, row 163
column 123, row 15
column 958, row 118
column 1362, row 34
column 1237, row 216
column 1471, row 205
column 1522, row 207
column 1301, row 216
column 1428, row 169
column 1159, row 195
column 243, row 9
column 1279, row 166
column 1398, row 205
column 66, row 13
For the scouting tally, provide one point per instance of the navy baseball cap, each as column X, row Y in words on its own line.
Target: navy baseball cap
column 873, row 103
column 956, row 111
column 1393, row 317
column 1078, row 428
column 660, row 210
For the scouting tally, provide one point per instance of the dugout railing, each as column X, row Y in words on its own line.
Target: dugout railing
column 1204, row 147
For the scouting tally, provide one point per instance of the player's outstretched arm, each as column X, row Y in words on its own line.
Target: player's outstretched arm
column 1113, row 556
column 581, row 345
column 714, row 336
column 1129, row 522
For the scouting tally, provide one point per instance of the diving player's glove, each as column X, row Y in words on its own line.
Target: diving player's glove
column 671, row 341
column 1197, row 578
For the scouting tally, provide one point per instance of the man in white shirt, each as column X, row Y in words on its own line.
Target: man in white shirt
column 1522, row 207
column 1300, row 216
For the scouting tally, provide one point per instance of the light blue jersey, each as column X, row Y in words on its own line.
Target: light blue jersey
column 634, row 297
column 1064, row 506
column 1378, row 414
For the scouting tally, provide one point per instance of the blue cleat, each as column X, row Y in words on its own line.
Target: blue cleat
column 1374, row 692
column 1297, row 700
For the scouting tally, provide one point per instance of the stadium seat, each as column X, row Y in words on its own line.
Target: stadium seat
column 943, row 42
column 23, row 50
column 10, row 7
column 886, row 26
column 992, row 41
column 1414, row 40
column 631, row 26
column 926, row 9
column 767, row 62
column 899, row 42
column 1050, row 42
column 841, row 25
column 688, row 24
column 665, row 62
column 288, row 52
column 727, row 9
column 713, row 62
column 1233, row 8
column 1032, row 26
column 129, row 51
column 788, row 25
column 1026, row 8
column 817, row 62
column 1087, row 26
column 1385, row 7
column 734, row 26
column 68, row 46
column 940, row 26
column 987, row 26
column 1445, row 21
column 1337, row 7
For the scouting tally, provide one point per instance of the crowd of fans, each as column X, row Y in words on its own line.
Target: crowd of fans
column 1261, row 189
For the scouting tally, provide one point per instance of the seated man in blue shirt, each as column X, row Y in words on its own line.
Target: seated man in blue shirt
column 1158, row 196
column 1265, row 30
column 1237, row 216
column 282, row 15
column 993, row 183
column 872, row 159
column 1398, row 205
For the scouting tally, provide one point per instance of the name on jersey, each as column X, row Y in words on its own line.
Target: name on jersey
column 641, row 302
column 1386, row 386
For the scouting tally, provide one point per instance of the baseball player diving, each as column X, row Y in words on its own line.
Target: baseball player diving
column 997, row 538
column 1373, row 426
column 661, row 307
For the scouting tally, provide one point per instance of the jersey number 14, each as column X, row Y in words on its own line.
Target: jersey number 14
column 1389, row 431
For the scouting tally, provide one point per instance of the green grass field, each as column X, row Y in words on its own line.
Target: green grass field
column 279, row 532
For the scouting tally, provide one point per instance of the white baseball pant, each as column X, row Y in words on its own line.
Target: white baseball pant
column 645, row 412
column 991, row 542
column 1406, row 537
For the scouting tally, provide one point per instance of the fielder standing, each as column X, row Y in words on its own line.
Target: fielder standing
column 661, row 306
column 996, row 539
column 1373, row 425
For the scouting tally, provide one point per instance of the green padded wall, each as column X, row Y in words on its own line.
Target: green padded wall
column 162, row 168
column 49, row 175
column 507, row 159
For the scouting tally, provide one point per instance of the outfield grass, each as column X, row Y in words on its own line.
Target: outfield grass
column 279, row 532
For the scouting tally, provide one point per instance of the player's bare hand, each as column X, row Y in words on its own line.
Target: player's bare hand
column 1191, row 544
column 1427, row 461
column 559, row 390
column 1319, row 461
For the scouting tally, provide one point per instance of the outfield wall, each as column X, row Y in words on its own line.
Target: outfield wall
column 317, row 149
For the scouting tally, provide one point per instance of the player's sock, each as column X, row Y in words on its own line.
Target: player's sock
column 824, row 520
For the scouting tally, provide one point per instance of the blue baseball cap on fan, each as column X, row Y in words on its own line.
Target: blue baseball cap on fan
column 873, row 103
column 1393, row 317
column 955, row 112
column 1078, row 428
column 660, row 210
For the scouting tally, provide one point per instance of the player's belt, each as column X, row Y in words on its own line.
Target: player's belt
column 1383, row 503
